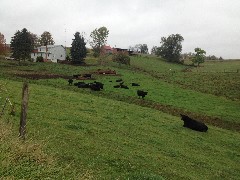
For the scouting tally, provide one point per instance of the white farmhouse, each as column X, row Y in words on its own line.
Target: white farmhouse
column 54, row 53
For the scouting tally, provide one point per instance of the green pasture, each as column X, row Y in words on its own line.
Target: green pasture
column 75, row 133
column 98, row 138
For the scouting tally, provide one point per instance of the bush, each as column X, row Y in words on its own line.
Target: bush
column 39, row 59
column 121, row 58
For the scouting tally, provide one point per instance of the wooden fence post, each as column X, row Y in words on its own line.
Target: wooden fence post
column 23, row 117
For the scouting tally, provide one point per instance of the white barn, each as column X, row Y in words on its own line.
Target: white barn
column 54, row 53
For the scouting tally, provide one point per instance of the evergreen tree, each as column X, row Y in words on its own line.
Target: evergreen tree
column 22, row 45
column 78, row 50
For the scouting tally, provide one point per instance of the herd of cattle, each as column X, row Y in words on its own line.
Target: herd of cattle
column 97, row 86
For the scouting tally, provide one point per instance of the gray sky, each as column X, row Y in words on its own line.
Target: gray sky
column 213, row 25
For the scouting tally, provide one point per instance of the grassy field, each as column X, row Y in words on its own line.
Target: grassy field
column 79, row 134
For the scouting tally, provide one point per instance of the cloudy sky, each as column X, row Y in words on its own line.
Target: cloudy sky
column 213, row 25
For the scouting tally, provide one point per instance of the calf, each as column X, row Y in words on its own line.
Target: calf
column 193, row 124
column 119, row 80
column 70, row 81
column 124, row 86
column 135, row 84
column 141, row 93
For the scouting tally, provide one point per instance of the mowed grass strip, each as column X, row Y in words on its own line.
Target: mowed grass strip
column 120, row 140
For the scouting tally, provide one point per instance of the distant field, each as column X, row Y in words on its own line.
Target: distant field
column 220, row 78
column 112, row 134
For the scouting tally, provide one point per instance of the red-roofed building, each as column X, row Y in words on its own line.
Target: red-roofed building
column 107, row 49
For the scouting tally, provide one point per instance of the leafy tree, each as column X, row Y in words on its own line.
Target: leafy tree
column 99, row 39
column 171, row 47
column 199, row 56
column 2, row 44
column 220, row 58
column 121, row 58
column 154, row 50
column 22, row 45
column 138, row 48
column 35, row 39
column 78, row 49
column 143, row 48
column 46, row 39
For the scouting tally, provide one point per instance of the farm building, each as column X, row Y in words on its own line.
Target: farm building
column 107, row 49
column 54, row 53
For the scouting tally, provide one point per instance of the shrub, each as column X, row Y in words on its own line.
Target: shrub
column 39, row 59
column 121, row 58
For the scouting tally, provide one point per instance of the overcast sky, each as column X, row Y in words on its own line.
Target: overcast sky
column 213, row 25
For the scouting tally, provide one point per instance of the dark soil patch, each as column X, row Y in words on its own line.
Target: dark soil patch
column 108, row 72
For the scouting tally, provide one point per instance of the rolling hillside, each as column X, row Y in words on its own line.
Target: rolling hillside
column 79, row 134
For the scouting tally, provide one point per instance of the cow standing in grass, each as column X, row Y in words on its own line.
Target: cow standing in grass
column 70, row 81
column 141, row 93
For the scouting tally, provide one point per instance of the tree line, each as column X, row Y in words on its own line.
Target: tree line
column 23, row 43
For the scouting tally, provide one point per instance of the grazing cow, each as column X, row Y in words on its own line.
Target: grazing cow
column 135, row 84
column 70, row 81
column 141, row 93
column 117, row 86
column 95, row 87
column 119, row 80
column 193, row 124
column 77, row 83
column 83, row 85
column 99, row 84
column 110, row 81
column 124, row 86
column 89, row 76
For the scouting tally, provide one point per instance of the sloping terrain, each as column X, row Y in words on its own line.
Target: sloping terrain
column 113, row 134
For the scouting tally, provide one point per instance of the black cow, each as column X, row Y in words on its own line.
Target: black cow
column 119, row 80
column 83, row 85
column 124, row 86
column 76, row 76
column 193, row 124
column 99, row 84
column 89, row 76
column 117, row 86
column 78, row 83
column 141, row 93
column 70, row 81
column 95, row 87
column 135, row 84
